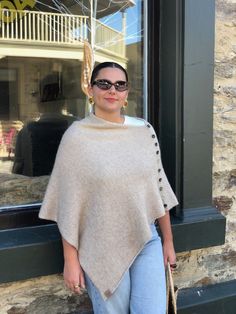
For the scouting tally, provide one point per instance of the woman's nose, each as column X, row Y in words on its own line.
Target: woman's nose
column 112, row 89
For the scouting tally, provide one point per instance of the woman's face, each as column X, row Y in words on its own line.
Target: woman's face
column 111, row 100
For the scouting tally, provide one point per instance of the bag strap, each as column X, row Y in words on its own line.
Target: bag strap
column 171, row 291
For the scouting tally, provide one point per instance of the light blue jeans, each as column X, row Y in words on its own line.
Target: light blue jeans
column 142, row 289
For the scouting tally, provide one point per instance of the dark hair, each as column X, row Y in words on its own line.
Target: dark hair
column 104, row 65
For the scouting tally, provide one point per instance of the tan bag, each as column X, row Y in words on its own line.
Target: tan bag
column 171, row 290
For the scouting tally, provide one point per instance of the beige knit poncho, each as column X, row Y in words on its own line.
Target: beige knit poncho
column 106, row 187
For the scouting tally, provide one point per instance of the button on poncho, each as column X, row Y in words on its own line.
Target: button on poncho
column 106, row 187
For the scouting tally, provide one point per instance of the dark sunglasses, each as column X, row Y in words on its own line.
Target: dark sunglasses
column 120, row 86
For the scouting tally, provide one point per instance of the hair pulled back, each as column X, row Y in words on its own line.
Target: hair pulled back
column 104, row 65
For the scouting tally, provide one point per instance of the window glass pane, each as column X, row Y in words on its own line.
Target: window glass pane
column 40, row 81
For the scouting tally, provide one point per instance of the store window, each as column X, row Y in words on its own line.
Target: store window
column 40, row 82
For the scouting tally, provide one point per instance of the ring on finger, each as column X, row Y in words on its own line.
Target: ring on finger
column 77, row 286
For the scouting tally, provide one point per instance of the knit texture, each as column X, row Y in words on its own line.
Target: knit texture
column 107, row 186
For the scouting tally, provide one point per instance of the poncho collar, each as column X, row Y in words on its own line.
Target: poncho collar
column 92, row 121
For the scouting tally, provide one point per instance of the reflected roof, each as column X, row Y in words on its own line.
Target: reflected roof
column 104, row 7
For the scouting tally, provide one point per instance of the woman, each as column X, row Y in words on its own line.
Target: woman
column 107, row 188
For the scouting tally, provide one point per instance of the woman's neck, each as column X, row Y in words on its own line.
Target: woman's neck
column 116, row 117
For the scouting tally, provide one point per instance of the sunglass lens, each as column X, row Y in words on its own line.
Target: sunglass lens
column 121, row 86
column 103, row 84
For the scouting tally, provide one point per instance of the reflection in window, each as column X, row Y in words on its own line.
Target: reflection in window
column 41, row 92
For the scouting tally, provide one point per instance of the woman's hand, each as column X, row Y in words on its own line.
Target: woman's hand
column 168, row 246
column 73, row 272
column 169, row 254
column 74, row 275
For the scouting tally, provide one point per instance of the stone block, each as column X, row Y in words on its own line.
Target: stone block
column 223, row 203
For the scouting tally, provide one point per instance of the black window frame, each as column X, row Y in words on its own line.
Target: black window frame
column 180, row 53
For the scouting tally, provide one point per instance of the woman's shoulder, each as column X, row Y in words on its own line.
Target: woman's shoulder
column 76, row 124
column 72, row 133
column 75, row 130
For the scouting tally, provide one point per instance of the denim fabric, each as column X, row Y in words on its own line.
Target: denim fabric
column 142, row 289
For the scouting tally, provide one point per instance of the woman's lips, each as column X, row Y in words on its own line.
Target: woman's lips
column 111, row 100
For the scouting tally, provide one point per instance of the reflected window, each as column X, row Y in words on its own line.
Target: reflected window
column 40, row 93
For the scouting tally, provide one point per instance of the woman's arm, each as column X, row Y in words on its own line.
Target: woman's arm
column 73, row 273
column 168, row 246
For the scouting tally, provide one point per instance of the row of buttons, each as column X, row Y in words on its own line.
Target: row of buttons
column 153, row 136
column 159, row 170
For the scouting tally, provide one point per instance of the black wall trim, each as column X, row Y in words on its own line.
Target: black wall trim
column 198, row 76
column 36, row 251
column 199, row 228
column 218, row 299
column 170, row 111
column 186, row 99
column 30, row 252
column 20, row 216
column 153, row 60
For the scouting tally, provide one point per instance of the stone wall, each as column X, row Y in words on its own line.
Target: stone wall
column 195, row 268
column 44, row 295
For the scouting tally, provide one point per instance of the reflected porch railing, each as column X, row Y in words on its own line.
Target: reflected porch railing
column 110, row 39
column 43, row 27
column 54, row 28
